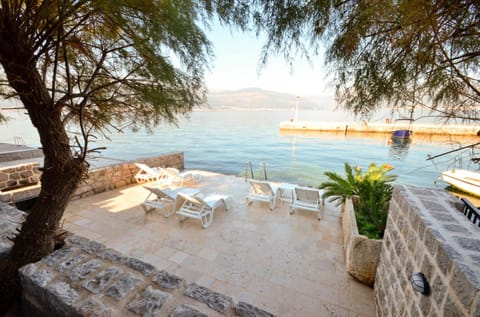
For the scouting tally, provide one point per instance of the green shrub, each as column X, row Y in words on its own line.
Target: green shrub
column 374, row 193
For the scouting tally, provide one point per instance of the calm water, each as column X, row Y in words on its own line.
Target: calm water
column 224, row 141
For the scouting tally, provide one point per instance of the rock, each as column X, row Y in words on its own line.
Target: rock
column 186, row 311
column 149, row 302
column 102, row 279
column 167, row 280
column 123, row 286
column 214, row 300
column 246, row 310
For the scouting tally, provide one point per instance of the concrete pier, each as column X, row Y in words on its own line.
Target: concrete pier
column 367, row 127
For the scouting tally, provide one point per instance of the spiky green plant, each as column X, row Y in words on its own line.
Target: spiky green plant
column 338, row 189
column 372, row 209
column 373, row 190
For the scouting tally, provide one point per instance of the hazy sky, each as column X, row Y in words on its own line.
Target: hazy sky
column 236, row 61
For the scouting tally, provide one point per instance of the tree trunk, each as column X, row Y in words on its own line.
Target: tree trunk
column 61, row 172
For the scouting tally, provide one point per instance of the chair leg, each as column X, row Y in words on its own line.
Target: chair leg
column 249, row 202
column 147, row 210
column 168, row 210
column 292, row 211
column 272, row 204
column 207, row 220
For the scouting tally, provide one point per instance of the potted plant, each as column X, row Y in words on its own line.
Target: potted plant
column 364, row 198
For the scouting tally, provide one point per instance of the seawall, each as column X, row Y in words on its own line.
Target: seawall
column 366, row 127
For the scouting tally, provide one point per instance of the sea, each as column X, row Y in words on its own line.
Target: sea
column 226, row 141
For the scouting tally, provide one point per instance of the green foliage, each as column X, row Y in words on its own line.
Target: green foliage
column 338, row 189
column 111, row 64
column 372, row 208
column 403, row 54
column 373, row 190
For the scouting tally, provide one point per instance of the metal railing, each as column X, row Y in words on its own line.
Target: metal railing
column 471, row 212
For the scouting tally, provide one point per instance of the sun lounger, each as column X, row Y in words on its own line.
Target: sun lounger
column 165, row 176
column 147, row 173
column 262, row 191
column 173, row 176
column 197, row 207
column 307, row 198
column 164, row 199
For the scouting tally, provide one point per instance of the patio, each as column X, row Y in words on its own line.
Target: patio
column 289, row 265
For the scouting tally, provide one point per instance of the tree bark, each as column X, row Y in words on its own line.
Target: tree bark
column 61, row 172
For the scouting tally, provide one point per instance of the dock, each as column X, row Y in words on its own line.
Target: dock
column 368, row 127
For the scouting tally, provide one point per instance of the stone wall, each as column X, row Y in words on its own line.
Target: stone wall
column 10, row 221
column 84, row 278
column 117, row 175
column 361, row 253
column 426, row 232
column 19, row 175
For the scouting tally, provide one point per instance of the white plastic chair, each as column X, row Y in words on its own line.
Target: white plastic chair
column 173, row 176
column 164, row 199
column 307, row 198
column 196, row 207
column 262, row 191
column 147, row 173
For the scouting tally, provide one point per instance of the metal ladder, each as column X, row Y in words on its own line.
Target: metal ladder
column 249, row 174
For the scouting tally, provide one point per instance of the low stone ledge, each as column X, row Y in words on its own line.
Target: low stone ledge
column 121, row 174
column 11, row 220
column 361, row 253
column 84, row 278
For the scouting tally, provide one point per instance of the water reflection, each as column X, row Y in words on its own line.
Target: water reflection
column 399, row 148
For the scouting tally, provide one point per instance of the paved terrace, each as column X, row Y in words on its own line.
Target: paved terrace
column 289, row 265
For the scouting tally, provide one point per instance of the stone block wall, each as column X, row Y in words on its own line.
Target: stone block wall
column 19, row 175
column 84, row 278
column 117, row 175
column 427, row 232
column 10, row 221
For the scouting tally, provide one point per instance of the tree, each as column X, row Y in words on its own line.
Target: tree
column 408, row 53
column 91, row 66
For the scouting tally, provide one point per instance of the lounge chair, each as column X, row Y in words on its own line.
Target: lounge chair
column 262, row 191
column 164, row 199
column 307, row 198
column 173, row 176
column 194, row 206
column 147, row 173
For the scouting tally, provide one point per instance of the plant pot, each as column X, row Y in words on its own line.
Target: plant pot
column 361, row 253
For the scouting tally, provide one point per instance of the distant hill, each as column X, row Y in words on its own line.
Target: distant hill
column 259, row 99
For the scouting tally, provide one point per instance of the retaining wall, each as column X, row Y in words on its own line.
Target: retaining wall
column 427, row 232
column 99, row 179
column 19, row 175
column 117, row 175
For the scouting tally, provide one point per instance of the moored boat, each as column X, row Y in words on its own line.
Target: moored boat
column 402, row 133
column 465, row 180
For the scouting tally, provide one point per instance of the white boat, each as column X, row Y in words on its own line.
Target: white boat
column 467, row 181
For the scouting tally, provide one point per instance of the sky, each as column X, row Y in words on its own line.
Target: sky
column 236, row 60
